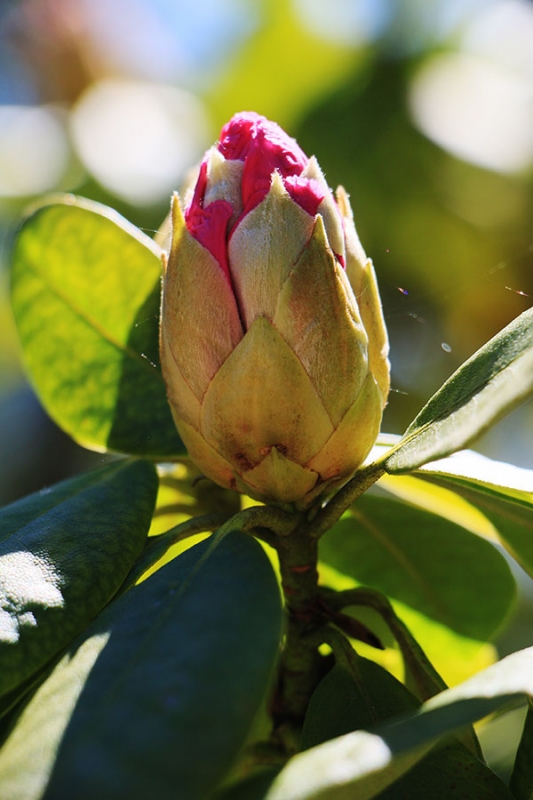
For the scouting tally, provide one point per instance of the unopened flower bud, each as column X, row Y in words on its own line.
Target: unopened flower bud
column 273, row 345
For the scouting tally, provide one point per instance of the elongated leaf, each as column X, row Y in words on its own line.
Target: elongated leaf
column 486, row 387
column 521, row 782
column 490, row 498
column 86, row 295
column 358, row 765
column 253, row 787
column 438, row 499
column 419, row 671
column 157, row 696
column 503, row 492
column 512, row 480
column 345, row 702
column 426, row 563
column 63, row 555
column 363, row 763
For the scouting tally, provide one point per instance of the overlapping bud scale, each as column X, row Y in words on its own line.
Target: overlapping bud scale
column 273, row 345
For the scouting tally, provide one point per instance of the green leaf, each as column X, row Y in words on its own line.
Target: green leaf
column 425, row 562
column 63, row 555
column 521, row 782
column 363, row 763
column 485, row 388
column 434, row 572
column 345, row 702
column 253, row 787
column 157, row 697
column 419, row 671
column 86, row 296
column 503, row 492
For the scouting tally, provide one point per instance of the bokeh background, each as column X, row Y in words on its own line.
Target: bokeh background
column 423, row 109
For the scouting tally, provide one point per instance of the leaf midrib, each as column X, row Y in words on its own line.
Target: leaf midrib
column 402, row 560
column 92, row 323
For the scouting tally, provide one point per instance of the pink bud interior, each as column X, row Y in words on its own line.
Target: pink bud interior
column 308, row 193
column 264, row 148
column 209, row 225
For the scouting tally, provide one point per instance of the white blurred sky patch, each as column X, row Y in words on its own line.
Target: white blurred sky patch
column 167, row 40
column 137, row 138
column 34, row 150
column 477, row 102
column 478, row 110
column 504, row 33
column 349, row 22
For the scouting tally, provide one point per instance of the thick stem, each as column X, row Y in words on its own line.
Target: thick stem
column 301, row 663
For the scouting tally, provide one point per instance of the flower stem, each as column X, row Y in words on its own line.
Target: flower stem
column 340, row 502
column 301, row 665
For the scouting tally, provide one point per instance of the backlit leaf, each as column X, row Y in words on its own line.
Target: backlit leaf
column 491, row 383
column 86, row 296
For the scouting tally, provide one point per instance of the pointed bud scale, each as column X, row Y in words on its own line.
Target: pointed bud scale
column 273, row 344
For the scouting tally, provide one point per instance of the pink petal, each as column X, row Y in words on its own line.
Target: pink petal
column 264, row 147
column 270, row 150
column 308, row 193
column 236, row 135
column 209, row 225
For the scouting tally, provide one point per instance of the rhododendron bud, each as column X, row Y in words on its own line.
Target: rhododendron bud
column 273, row 345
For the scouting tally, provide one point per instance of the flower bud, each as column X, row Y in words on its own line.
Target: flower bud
column 273, row 345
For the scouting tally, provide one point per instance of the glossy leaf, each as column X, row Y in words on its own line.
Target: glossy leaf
column 364, row 763
column 440, row 500
column 485, row 388
column 521, row 782
column 348, row 700
column 157, row 696
column 502, row 492
column 424, row 561
column 345, row 702
column 454, row 656
column 253, row 787
column 419, row 671
column 64, row 553
column 86, row 296
column 434, row 572
column 359, row 762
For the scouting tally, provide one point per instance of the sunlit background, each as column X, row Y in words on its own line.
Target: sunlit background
column 423, row 109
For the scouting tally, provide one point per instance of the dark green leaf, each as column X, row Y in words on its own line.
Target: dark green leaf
column 485, row 388
column 521, row 782
column 255, row 787
column 157, row 697
column 63, row 554
column 345, row 702
column 86, row 295
column 425, row 562
column 362, row 764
